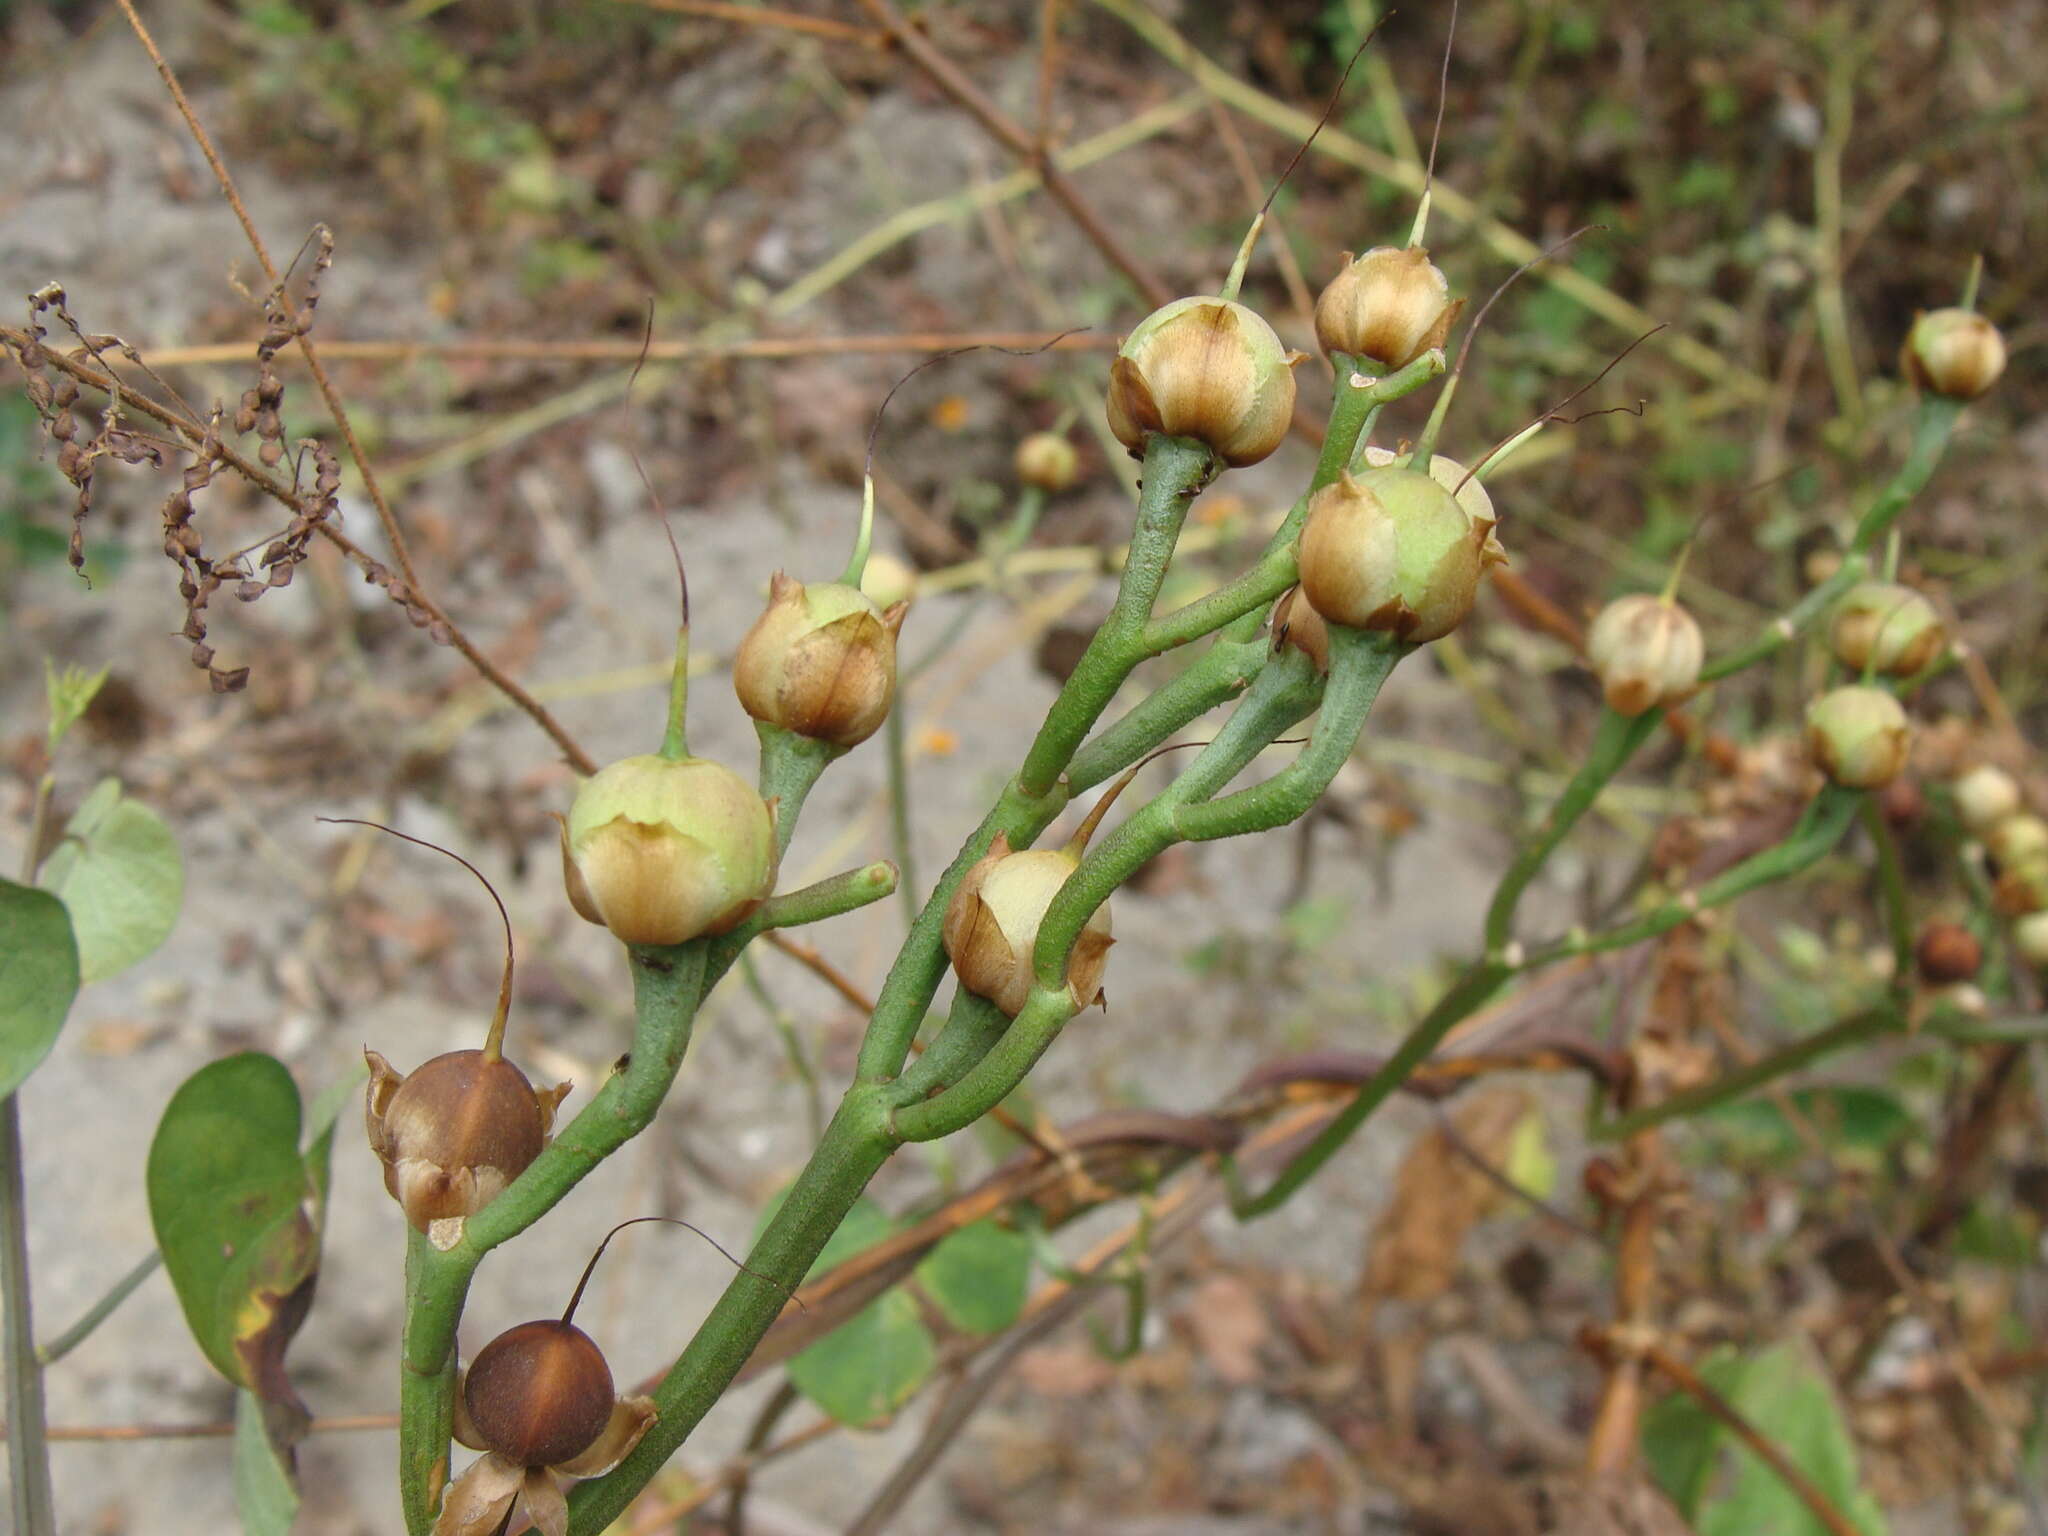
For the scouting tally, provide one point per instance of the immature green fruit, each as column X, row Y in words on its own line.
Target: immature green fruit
column 1391, row 549
column 1646, row 652
column 1886, row 628
column 661, row 851
column 1859, row 736
column 453, row 1134
column 1387, row 307
column 820, row 661
column 992, row 923
column 1048, row 462
column 1205, row 368
column 1953, row 352
column 1985, row 796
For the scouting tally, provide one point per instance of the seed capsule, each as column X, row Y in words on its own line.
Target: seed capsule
column 1883, row 627
column 1205, row 368
column 1859, row 736
column 1985, row 796
column 1947, row 953
column 453, row 1134
column 2018, row 841
column 1047, row 461
column 661, row 851
column 540, row 1393
column 1391, row 549
column 991, row 927
column 2030, row 937
column 1646, row 652
column 1953, row 352
column 1386, row 308
column 821, row 661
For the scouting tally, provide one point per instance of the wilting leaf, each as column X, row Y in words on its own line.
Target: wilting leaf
column 119, row 873
column 977, row 1276
column 38, row 978
column 870, row 1365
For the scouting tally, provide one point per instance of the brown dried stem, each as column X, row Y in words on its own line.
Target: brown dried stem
column 281, row 491
column 1019, row 140
column 763, row 16
column 396, row 538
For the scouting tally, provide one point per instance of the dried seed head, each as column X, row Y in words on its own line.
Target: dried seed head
column 1947, row 953
column 1296, row 623
column 661, row 851
column 539, row 1394
column 1953, row 352
column 1392, row 549
column 1047, row 461
column 1985, row 796
column 1647, row 653
column 453, row 1134
column 1386, row 308
column 1886, row 628
column 1859, row 736
column 992, row 924
column 820, row 661
column 1205, row 368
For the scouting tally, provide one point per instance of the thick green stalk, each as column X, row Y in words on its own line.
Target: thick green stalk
column 667, row 986
column 1850, row 1031
column 971, row 1030
column 1176, row 469
column 1931, row 431
column 996, row 1076
column 854, row 1146
column 1223, row 672
column 1613, row 745
column 28, row 1450
column 790, row 767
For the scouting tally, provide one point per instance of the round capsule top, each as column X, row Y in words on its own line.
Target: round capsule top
column 539, row 1393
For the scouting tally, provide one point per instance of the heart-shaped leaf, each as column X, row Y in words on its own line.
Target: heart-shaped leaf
column 977, row 1276
column 119, row 873
column 38, row 978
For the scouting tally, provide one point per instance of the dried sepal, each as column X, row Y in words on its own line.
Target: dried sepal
column 631, row 1418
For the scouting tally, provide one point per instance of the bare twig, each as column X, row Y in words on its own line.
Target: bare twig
column 493, row 349
column 766, row 16
column 393, row 535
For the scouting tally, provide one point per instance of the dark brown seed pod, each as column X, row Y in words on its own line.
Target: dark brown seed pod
column 1947, row 953
column 540, row 1393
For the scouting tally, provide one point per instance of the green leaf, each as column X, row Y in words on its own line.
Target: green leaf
column 38, row 978
column 1859, row 1121
column 266, row 1494
column 1723, row 1486
column 236, row 1211
column 977, row 1276
column 70, row 693
column 119, row 873
column 870, row 1365
column 1531, row 1165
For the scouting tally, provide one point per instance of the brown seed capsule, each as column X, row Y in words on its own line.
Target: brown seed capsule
column 1205, row 368
column 1947, row 953
column 453, row 1134
column 1047, row 461
column 1647, row 653
column 1859, row 736
column 1885, row 628
column 1393, row 550
column 1296, row 623
column 1386, row 308
column 539, row 1393
column 991, row 927
column 821, row 661
column 1953, row 352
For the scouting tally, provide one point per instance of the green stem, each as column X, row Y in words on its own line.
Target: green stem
column 99, row 1311
column 28, row 1447
column 674, row 744
column 1850, row 1031
column 970, row 1032
column 1614, row 743
column 1223, row 672
column 1175, row 470
column 854, row 1146
column 996, row 1076
column 899, row 807
column 1931, row 431
column 667, row 986
column 790, row 767
column 1898, row 907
